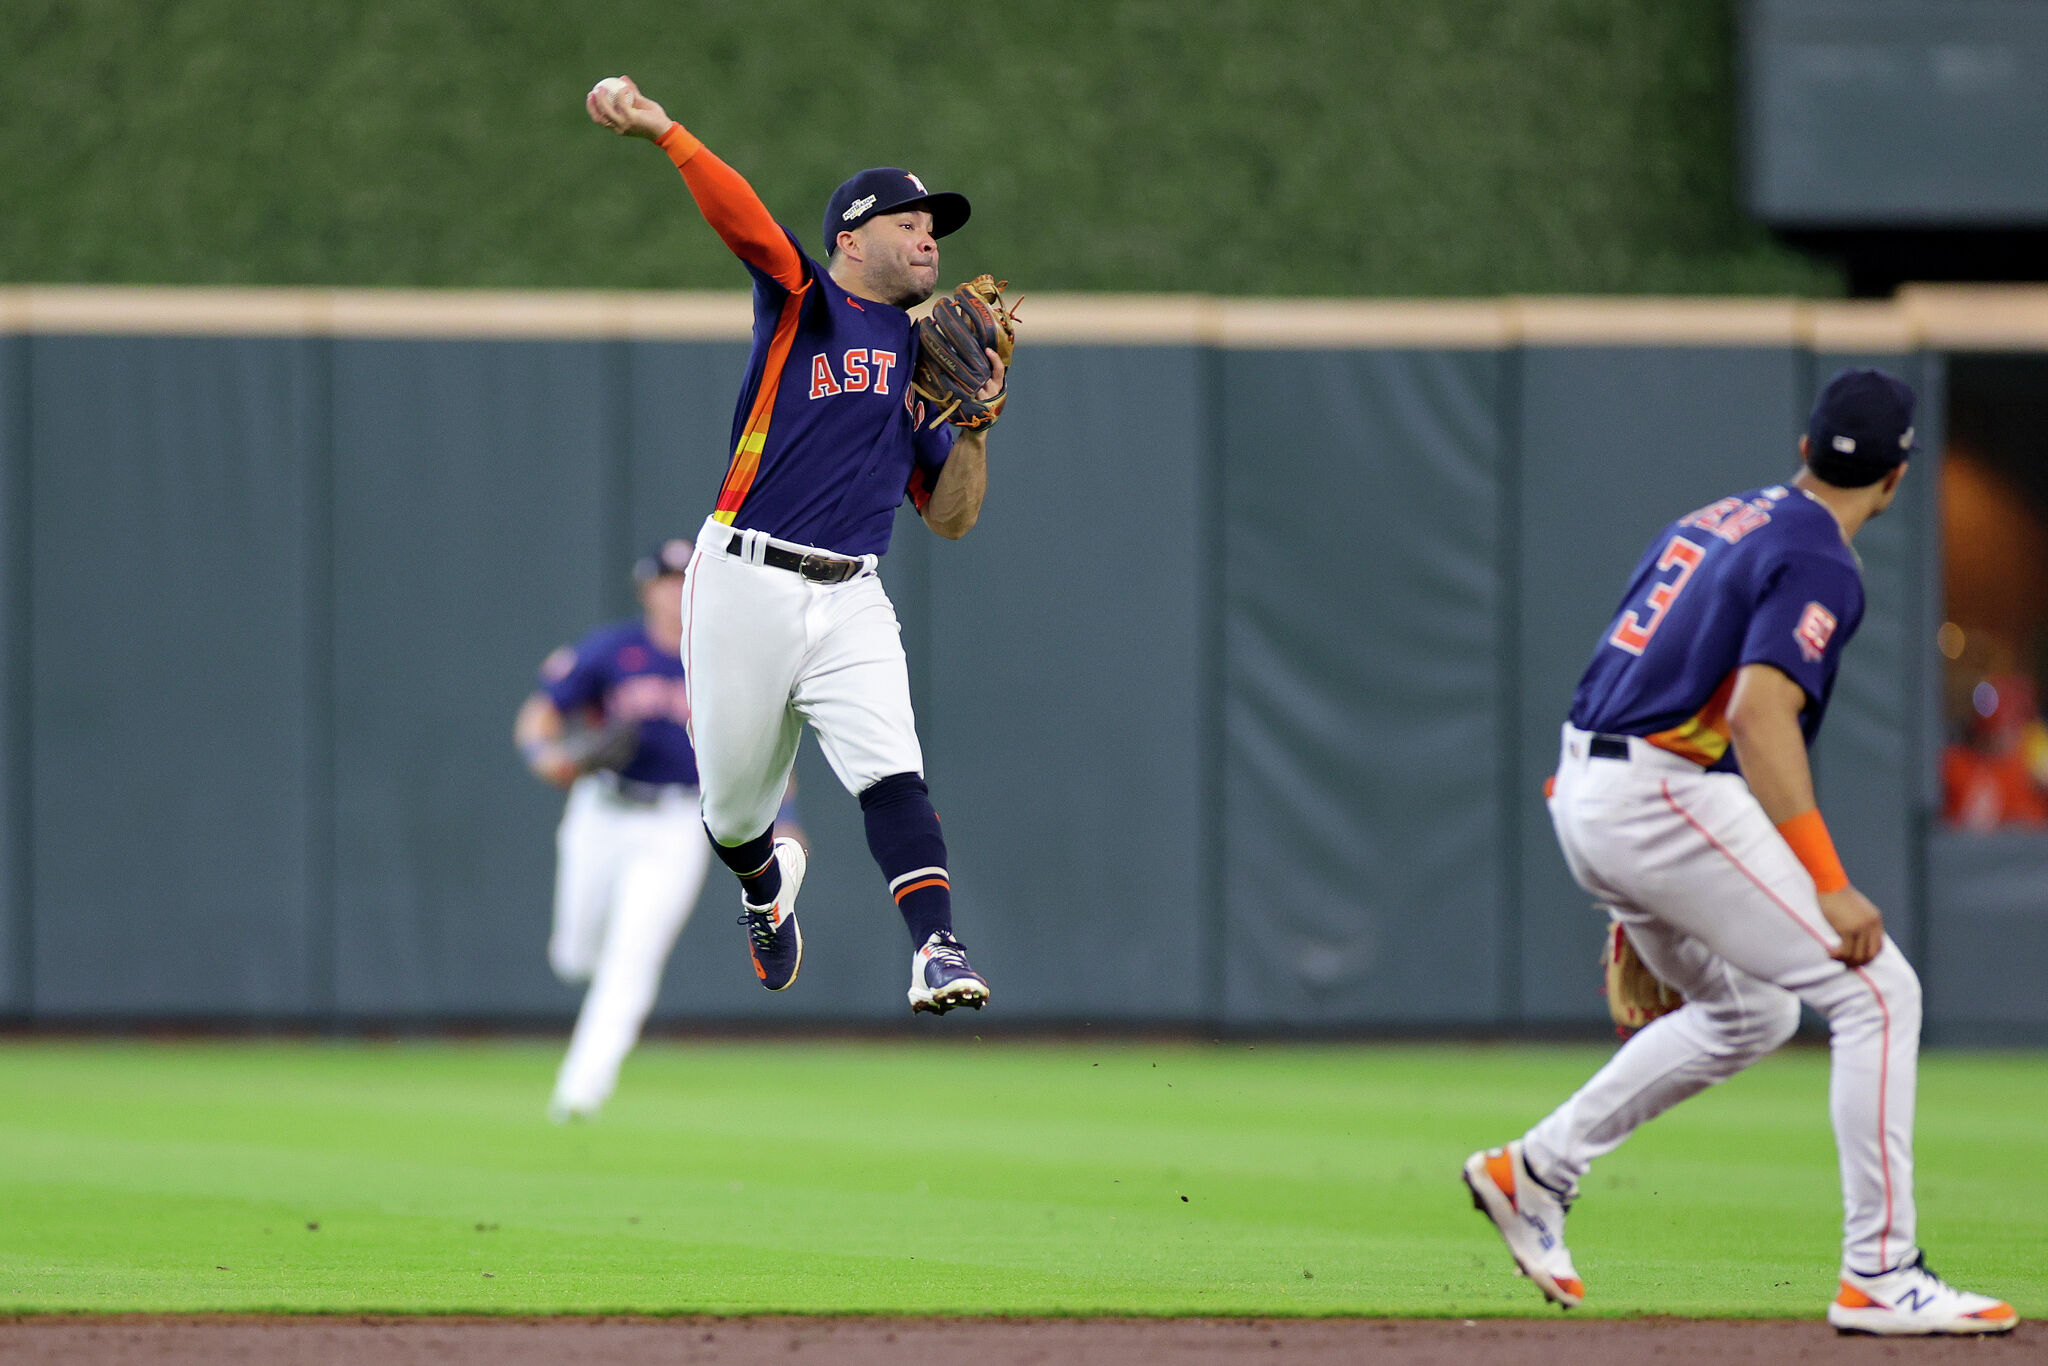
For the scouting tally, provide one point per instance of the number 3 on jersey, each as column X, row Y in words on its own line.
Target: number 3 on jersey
column 1632, row 633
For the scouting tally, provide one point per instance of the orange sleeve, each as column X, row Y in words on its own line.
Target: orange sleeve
column 1808, row 835
column 733, row 210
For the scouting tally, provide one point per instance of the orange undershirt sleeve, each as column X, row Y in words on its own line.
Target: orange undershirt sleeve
column 733, row 210
column 1808, row 835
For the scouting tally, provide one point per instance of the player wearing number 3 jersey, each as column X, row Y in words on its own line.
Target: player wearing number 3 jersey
column 1684, row 803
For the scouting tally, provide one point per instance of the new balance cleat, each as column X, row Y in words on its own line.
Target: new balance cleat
column 772, row 934
column 1530, row 1219
column 940, row 977
column 1911, row 1301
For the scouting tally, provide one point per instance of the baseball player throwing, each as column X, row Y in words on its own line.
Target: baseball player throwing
column 784, row 617
column 1683, row 801
column 629, row 860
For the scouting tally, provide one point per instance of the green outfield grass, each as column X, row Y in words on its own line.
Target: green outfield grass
column 1008, row 1178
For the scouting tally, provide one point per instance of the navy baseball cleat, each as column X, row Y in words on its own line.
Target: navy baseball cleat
column 940, row 977
column 772, row 934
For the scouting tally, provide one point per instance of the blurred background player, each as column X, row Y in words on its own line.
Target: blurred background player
column 1684, row 802
column 788, row 621
column 609, row 722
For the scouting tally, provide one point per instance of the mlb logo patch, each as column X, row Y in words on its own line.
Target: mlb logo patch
column 1815, row 629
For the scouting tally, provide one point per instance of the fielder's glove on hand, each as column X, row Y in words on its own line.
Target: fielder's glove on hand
column 1635, row 995
column 952, row 353
column 612, row 746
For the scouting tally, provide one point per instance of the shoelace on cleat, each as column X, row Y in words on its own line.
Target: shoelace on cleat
column 760, row 928
column 1920, row 1261
column 948, row 951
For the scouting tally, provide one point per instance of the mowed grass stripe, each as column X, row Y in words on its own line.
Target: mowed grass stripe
column 964, row 1177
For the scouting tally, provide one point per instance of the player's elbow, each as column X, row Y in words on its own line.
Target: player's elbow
column 955, row 526
column 953, row 521
column 1765, row 702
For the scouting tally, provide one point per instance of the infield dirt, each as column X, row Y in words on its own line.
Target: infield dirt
column 309, row 1341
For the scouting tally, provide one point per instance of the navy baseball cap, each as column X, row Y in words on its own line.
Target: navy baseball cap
column 1862, row 426
column 890, row 189
column 668, row 557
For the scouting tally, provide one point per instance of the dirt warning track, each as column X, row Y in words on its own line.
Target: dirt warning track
column 327, row 1341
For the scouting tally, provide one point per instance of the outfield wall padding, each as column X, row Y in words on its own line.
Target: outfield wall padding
column 1236, row 704
column 168, row 664
column 1364, row 677
column 17, row 970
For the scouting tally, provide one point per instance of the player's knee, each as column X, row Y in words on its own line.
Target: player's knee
column 1753, row 1023
column 894, row 790
column 730, row 827
column 571, row 968
column 1898, row 987
column 1773, row 1023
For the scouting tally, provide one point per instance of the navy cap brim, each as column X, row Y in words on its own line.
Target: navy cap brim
column 949, row 211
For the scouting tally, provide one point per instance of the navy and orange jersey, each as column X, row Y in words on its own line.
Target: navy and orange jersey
column 617, row 673
column 1763, row 577
column 827, row 440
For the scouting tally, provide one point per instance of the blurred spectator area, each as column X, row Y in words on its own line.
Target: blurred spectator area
column 1995, row 635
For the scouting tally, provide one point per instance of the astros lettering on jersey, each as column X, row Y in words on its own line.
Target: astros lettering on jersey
column 826, row 438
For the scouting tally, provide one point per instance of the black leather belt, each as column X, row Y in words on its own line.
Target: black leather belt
column 633, row 792
column 1609, row 747
column 816, row 568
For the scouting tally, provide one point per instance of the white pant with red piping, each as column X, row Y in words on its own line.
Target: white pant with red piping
column 764, row 651
column 1720, row 908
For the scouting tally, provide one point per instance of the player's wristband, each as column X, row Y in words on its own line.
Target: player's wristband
column 678, row 142
column 1807, row 833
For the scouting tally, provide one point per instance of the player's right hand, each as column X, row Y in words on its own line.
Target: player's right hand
column 551, row 765
column 1859, row 924
column 616, row 103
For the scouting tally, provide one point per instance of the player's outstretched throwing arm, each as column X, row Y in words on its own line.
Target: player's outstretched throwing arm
column 969, row 383
column 728, row 202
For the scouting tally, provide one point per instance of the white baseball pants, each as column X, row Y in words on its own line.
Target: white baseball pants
column 765, row 650
column 626, row 878
column 1721, row 909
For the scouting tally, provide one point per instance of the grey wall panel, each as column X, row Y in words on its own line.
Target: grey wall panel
column 1989, row 901
column 1061, row 722
column 1363, row 753
column 470, row 505
column 169, row 685
column 1615, row 443
column 16, row 947
column 1869, row 761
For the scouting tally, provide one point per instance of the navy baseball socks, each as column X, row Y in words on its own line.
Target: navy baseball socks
column 771, row 872
column 903, row 835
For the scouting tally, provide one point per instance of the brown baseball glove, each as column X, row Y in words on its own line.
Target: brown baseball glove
column 952, row 353
column 611, row 745
column 1635, row 995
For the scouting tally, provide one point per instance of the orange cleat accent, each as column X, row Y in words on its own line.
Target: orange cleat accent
column 1501, row 1168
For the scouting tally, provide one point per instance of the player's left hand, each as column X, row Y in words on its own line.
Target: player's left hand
column 965, row 388
column 1857, row 921
column 995, row 378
